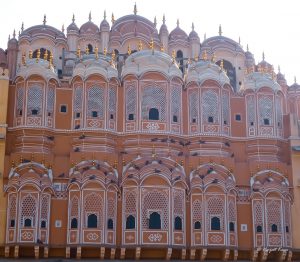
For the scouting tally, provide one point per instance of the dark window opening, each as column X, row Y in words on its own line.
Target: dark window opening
column 20, row 112
column 240, row 83
column 131, row 117
column 63, row 109
column 42, row 53
column 210, row 119
column 178, row 223
column 130, row 222
column 197, row 225
column 34, row 111
column 266, row 121
column 94, row 114
column 154, row 221
column 110, row 224
column 92, row 221
column 225, row 122
column 153, row 114
column 231, row 72
column 194, row 120
column 49, row 113
column 278, row 124
column 287, row 229
column 180, row 59
column 259, row 229
column 74, row 223
column 90, row 47
column 215, row 223
column 274, row 228
column 43, row 224
column 111, row 116
column 77, row 115
column 238, row 117
column 251, row 123
column 12, row 223
column 27, row 222
column 175, row 119
column 231, row 227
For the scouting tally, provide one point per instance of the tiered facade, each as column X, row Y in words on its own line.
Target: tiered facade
column 126, row 142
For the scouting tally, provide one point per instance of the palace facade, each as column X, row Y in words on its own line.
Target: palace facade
column 124, row 141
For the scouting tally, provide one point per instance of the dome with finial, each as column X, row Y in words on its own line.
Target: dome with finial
column 193, row 34
column 281, row 78
column 222, row 42
column 264, row 64
column 42, row 31
column 178, row 34
column 250, row 61
column 294, row 86
column 104, row 26
column 163, row 29
column 89, row 27
column 133, row 26
column 73, row 27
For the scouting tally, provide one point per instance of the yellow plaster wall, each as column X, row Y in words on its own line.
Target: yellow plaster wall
column 4, row 81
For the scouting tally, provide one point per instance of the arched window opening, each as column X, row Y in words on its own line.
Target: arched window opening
column 92, row 221
column 110, row 224
column 266, row 121
column 215, row 223
column 43, row 224
column 179, row 56
column 259, row 229
column 287, row 229
column 231, row 227
column 27, row 222
column 154, row 221
column 74, row 223
column 90, row 47
column 153, row 114
column 210, row 119
column 197, row 225
column 274, row 228
column 231, row 73
column 178, row 223
column 131, row 117
column 94, row 114
column 12, row 223
column 34, row 112
column 175, row 119
column 130, row 222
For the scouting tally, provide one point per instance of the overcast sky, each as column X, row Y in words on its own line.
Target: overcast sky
column 269, row 26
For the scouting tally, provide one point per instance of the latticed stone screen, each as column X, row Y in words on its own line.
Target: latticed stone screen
column 96, row 101
column 225, row 108
column 273, row 214
column 50, row 100
column 35, row 100
column 197, row 211
column 265, row 104
column 78, row 99
column 251, row 110
column 93, row 204
column 131, row 100
column 193, row 107
column 112, row 100
column 28, row 209
column 154, row 97
column 20, row 99
column 176, row 102
column 210, row 106
column 215, row 208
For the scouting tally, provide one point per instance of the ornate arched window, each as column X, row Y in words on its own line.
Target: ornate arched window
column 28, row 211
column 178, row 223
column 154, row 98
column 110, row 224
column 153, row 114
column 131, row 98
column 179, row 58
column 265, row 110
column 92, row 221
column 193, row 107
column 210, row 107
column 197, row 225
column 34, row 101
column 96, row 102
column 215, row 223
column 74, row 223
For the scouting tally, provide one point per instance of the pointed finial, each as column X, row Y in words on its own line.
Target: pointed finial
column 90, row 16
column 173, row 55
column 222, row 64
column 78, row 52
column 204, row 36
column 155, row 23
column 104, row 51
column 46, row 55
column 278, row 68
column 220, row 30
column 73, row 19
column 247, row 48
column 44, row 21
column 151, row 44
column 22, row 27
column 177, row 22
column 213, row 58
column 63, row 28
column 129, row 50
column 112, row 18
column 295, row 80
column 104, row 16
column 204, row 55
column 164, row 19
column 8, row 37
column 263, row 56
column 14, row 34
column 135, row 9
column 193, row 27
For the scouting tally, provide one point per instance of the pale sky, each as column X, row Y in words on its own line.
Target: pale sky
column 269, row 26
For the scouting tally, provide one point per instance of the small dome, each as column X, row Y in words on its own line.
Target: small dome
column 249, row 55
column 294, row 86
column 178, row 34
column 193, row 34
column 89, row 27
column 281, row 78
column 104, row 26
column 163, row 29
column 222, row 42
column 73, row 27
column 257, row 80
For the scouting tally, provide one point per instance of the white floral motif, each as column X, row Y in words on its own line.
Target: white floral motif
column 92, row 236
column 27, row 235
column 155, row 237
column 152, row 126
